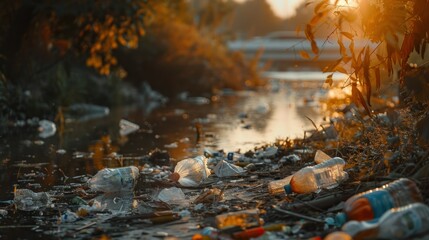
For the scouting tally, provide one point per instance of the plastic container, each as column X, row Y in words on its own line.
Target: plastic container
column 277, row 187
column 114, row 179
column 27, row 200
column 397, row 223
column 373, row 203
column 244, row 219
column 191, row 172
column 312, row 179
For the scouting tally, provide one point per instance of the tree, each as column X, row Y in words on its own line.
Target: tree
column 395, row 27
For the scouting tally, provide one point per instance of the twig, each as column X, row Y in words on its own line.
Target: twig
column 277, row 208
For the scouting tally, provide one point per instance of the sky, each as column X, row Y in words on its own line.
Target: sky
column 283, row 8
column 286, row 8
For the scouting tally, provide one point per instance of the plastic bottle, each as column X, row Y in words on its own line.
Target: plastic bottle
column 338, row 235
column 312, row 179
column 397, row 223
column 277, row 187
column 115, row 179
column 191, row 172
column 27, row 200
column 244, row 219
column 373, row 203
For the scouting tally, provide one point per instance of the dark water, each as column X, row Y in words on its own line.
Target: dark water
column 231, row 121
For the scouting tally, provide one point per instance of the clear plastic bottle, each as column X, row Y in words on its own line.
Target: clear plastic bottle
column 244, row 219
column 397, row 223
column 327, row 175
column 277, row 187
column 373, row 203
column 191, row 172
column 115, row 179
column 27, row 200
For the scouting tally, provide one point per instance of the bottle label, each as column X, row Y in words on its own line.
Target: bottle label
column 381, row 201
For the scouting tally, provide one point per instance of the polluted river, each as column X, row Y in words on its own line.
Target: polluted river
column 153, row 138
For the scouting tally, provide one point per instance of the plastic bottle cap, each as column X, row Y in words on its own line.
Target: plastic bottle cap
column 288, row 188
column 340, row 219
column 175, row 177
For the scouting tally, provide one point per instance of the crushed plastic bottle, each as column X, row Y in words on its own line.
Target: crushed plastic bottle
column 191, row 172
column 114, row 179
column 244, row 219
column 277, row 187
column 225, row 169
column 397, row 223
column 373, row 203
column 27, row 200
column 312, row 179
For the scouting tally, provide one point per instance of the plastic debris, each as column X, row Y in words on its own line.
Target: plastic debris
column 68, row 217
column 338, row 235
column 209, row 195
column 46, row 128
column 27, row 200
column 312, row 179
column 320, row 157
column 397, row 223
column 373, row 203
column 245, row 219
column 84, row 112
column 126, row 127
column 191, row 172
column 225, row 169
column 277, row 187
column 173, row 196
column 3, row 213
column 114, row 179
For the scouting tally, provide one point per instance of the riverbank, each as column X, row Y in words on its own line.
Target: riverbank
column 376, row 149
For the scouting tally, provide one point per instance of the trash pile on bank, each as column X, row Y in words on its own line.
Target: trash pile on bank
column 287, row 190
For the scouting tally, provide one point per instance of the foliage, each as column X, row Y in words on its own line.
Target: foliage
column 394, row 29
column 175, row 56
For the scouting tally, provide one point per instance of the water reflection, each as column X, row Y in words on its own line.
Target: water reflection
column 239, row 120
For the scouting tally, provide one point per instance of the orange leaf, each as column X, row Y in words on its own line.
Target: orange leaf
column 304, row 54
column 377, row 77
column 314, row 47
column 329, row 79
column 348, row 35
column 358, row 98
column 366, row 63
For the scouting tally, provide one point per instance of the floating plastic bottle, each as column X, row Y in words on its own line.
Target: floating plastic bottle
column 191, row 172
column 312, row 179
column 397, row 223
column 27, row 200
column 244, row 219
column 277, row 187
column 373, row 203
column 115, row 179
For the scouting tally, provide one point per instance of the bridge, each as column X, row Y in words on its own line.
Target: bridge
column 282, row 51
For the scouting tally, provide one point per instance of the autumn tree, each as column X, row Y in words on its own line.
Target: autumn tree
column 393, row 29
